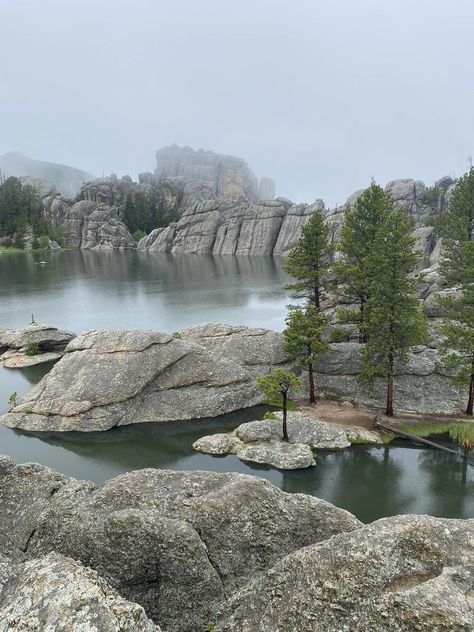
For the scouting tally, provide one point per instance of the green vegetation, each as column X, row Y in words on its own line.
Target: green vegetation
column 432, row 195
column 145, row 211
column 339, row 334
column 460, row 432
column 393, row 317
column 20, row 208
column 13, row 399
column 303, row 340
column 32, row 350
column 362, row 231
column 277, row 402
column 270, row 415
column 310, row 260
column 138, row 234
column 10, row 250
column 279, row 383
column 456, row 227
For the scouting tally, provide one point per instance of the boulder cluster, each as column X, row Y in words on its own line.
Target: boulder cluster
column 194, row 551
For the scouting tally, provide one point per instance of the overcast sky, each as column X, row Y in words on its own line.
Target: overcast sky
column 321, row 95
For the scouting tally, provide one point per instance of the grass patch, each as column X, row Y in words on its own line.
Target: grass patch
column 10, row 250
column 278, row 403
column 32, row 350
column 460, row 432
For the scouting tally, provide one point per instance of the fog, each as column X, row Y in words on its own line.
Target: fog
column 321, row 95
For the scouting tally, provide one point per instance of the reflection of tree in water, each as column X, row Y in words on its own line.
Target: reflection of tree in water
column 364, row 480
column 451, row 481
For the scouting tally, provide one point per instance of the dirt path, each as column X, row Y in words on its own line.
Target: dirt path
column 348, row 414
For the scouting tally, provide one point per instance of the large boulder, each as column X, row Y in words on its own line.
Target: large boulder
column 58, row 593
column 178, row 543
column 396, row 575
column 114, row 378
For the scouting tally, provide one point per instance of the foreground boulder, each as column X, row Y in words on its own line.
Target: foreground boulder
column 178, row 543
column 31, row 345
column 57, row 593
column 398, row 574
column 114, row 378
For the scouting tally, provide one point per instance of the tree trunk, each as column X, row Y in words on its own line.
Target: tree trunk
column 285, row 404
column 312, row 394
column 470, row 403
column 389, row 410
column 362, row 336
column 317, row 299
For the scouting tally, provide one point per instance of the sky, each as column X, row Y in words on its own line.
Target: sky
column 321, row 95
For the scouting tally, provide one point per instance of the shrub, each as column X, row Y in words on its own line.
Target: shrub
column 270, row 415
column 32, row 350
column 176, row 334
column 43, row 242
column 138, row 234
column 339, row 334
column 432, row 195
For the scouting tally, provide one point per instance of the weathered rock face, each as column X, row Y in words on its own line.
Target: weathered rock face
column 227, row 177
column 178, row 543
column 16, row 344
column 60, row 593
column 113, row 378
column 266, row 189
column 398, row 574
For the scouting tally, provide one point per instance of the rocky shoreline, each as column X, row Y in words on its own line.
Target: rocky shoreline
column 190, row 551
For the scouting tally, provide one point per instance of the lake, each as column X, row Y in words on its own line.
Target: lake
column 81, row 290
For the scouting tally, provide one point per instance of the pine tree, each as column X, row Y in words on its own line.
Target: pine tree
column 303, row 340
column 359, row 235
column 279, row 383
column 310, row 260
column 393, row 317
column 456, row 227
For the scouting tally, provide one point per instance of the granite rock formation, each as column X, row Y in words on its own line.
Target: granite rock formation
column 114, row 378
column 57, row 593
column 178, row 543
column 398, row 574
column 47, row 342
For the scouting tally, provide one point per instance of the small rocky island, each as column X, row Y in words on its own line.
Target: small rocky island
column 34, row 344
column 174, row 551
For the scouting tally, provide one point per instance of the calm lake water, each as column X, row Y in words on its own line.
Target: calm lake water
column 80, row 290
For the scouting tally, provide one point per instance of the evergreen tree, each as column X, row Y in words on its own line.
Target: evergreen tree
column 456, row 227
column 393, row 317
column 310, row 260
column 303, row 340
column 359, row 236
column 279, row 383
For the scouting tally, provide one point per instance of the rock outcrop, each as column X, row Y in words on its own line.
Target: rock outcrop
column 31, row 345
column 396, row 575
column 57, row 593
column 261, row 441
column 178, row 543
column 114, row 378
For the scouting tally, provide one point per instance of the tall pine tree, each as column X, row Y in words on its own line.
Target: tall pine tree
column 359, row 236
column 310, row 260
column 456, row 227
column 304, row 342
column 393, row 317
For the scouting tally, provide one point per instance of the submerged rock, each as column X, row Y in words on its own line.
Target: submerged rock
column 398, row 574
column 178, row 543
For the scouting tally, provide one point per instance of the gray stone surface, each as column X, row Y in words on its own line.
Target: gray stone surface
column 398, row 574
column 278, row 454
column 177, row 543
column 55, row 593
column 113, row 378
column 14, row 344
